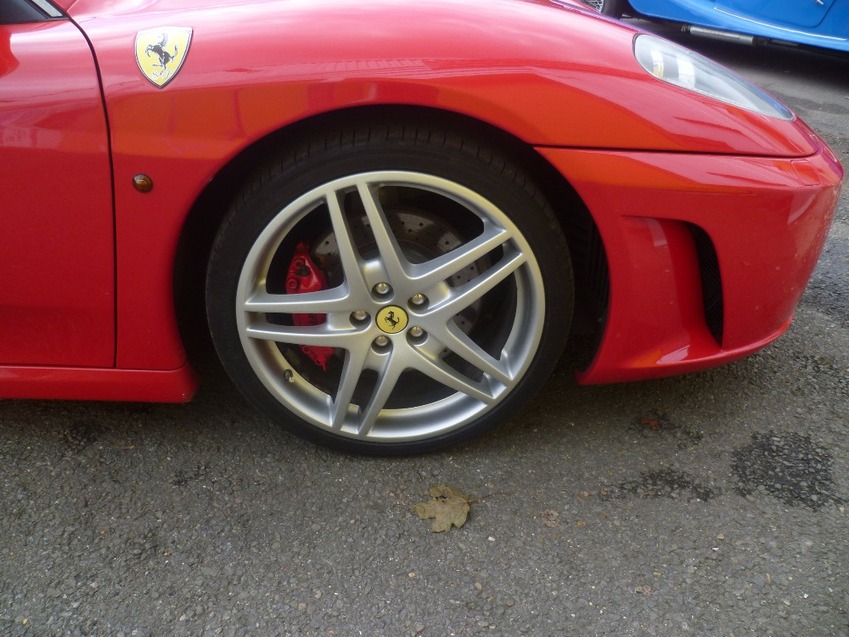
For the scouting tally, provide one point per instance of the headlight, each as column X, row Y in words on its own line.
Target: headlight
column 679, row 66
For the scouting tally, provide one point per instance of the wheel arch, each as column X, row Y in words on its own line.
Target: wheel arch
column 206, row 214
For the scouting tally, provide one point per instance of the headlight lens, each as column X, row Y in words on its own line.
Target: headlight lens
column 679, row 66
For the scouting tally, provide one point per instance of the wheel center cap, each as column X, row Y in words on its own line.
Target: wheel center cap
column 392, row 319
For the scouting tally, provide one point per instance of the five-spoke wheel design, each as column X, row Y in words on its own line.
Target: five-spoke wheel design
column 393, row 308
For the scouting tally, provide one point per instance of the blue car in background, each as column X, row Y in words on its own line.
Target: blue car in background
column 818, row 23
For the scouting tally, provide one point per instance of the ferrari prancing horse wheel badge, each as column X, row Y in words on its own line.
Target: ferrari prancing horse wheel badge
column 392, row 319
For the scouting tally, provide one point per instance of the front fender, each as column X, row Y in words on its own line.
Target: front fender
column 548, row 75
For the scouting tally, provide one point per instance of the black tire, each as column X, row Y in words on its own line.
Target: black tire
column 436, row 229
column 613, row 8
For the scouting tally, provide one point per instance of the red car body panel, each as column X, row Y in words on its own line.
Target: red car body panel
column 564, row 81
column 656, row 321
column 303, row 58
column 57, row 301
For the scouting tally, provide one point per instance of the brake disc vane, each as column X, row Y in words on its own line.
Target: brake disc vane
column 305, row 276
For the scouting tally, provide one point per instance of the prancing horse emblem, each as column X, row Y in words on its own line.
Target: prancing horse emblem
column 160, row 53
column 392, row 319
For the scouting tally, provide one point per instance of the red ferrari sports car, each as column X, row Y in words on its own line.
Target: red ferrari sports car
column 386, row 213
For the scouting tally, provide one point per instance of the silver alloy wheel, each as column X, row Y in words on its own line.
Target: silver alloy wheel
column 475, row 374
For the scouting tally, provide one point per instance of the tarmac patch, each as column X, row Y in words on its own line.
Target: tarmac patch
column 78, row 436
column 662, row 483
column 788, row 466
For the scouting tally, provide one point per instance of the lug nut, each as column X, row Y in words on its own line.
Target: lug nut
column 359, row 316
column 382, row 289
column 418, row 299
column 416, row 332
column 381, row 341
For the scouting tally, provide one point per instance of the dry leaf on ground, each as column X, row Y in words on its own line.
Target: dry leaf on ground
column 550, row 518
column 447, row 506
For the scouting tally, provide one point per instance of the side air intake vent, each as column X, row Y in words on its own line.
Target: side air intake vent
column 711, row 283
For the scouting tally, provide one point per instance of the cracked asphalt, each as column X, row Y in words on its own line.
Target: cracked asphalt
column 713, row 504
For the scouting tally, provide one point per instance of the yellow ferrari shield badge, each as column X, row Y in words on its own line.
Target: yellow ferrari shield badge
column 392, row 319
column 161, row 52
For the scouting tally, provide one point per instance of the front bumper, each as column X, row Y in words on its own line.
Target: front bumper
column 766, row 220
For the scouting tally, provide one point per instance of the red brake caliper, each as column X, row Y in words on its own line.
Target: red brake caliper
column 305, row 276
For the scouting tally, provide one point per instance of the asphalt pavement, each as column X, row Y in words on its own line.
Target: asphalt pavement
column 712, row 504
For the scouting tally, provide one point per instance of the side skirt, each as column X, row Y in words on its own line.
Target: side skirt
column 70, row 383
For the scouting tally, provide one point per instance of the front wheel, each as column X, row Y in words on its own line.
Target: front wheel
column 613, row 8
column 390, row 290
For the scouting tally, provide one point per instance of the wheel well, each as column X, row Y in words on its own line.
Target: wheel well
column 199, row 230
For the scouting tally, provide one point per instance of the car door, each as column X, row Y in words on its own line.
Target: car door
column 57, row 283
